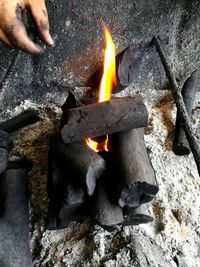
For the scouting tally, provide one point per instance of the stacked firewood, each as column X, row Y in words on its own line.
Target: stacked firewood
column 111, row 187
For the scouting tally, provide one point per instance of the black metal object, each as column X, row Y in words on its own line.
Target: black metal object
column 180, row 145
column 184, row 118
column 14, row 221
column 26, row 118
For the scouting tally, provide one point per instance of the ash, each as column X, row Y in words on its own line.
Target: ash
column 171, row 240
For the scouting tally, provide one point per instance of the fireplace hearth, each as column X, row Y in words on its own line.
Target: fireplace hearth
column 43, row 84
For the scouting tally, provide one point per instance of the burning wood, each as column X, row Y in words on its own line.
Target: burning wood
column 88, row 180
column 110, row 116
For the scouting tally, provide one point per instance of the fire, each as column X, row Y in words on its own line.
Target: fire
column 109, row 72
column 108, row 81
column 98, row 146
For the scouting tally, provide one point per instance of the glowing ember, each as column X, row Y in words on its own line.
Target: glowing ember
column 97, row 147
column 108, row 81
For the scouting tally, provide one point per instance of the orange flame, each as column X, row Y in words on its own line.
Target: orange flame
column 108, row 81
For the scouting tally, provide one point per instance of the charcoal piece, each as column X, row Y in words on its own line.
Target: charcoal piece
column 66, row 203
column 128, row 64
column 180, row 145
column 14, row 221
column 135, row 216
column 136, row 177
column 5, row 140
column 104, row 211
column 71, row 102
column 5, row 147
column 26, row 118
column 82, row 164
column 3, row 159
column 103, row 118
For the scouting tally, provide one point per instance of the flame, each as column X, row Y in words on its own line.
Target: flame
column 96, row 146
column 109, row 79
column 108, row 82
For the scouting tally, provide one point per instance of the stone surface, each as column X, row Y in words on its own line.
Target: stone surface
column 76, row 28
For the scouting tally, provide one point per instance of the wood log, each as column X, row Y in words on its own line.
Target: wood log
column 104, row 118
column 128, row 64
column 83, row 164
column 135, row 216
column 3, row 159
column 14, row 219
column 136, row 177
column 66, row 201
column 104, row 211
column 180, row 145
column 6, row 144
column 26, row 118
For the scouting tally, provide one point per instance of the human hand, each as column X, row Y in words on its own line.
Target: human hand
column 12, row 27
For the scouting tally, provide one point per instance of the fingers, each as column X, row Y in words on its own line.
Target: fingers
column 40, row 16
column 12, row 28
column 3, row 38
column 19, row 38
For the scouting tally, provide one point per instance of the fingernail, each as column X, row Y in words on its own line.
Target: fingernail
column 51, row 41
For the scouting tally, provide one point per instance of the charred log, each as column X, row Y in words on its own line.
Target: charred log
column 128, row 64
column 104, row 211
column 66, row 202
column 180, row 145
column 135, row 216
column 5, row 147
column 14, row 222
column 24, row 119
column 103, row 118
column 136, row 177
column 83, row 164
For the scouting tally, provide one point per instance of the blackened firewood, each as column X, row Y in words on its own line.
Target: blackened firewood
column 136, row 176
column 71, row 102
column 185, row 120
column 3, row 159
column 5, row 147
column 14, row 221
column 83, row 164
column 26, row 118
column 66, row 201
column 104, row 118
column 180, row 145
column 5, row 140
column 128, row 64
column 104, row 211
column 135, row 216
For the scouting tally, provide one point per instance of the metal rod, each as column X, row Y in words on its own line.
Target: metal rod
column 179, row 104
